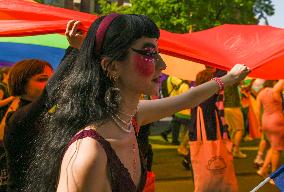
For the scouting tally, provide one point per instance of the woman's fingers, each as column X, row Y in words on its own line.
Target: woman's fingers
column 69, row 27
column 244, row 72
column 74, row 35
column 239, row 69
column 74, row 29
column 238, row 72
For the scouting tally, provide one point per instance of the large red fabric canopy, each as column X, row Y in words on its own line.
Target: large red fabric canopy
column 259, row 47
column 24, row 17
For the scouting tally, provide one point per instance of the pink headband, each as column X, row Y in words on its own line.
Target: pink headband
column 102, row 30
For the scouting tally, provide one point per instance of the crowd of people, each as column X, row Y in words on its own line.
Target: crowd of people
column 250, row 109
column 84, row 126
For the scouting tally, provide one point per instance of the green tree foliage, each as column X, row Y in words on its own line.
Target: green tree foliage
column 181, row 15
column 262, row 9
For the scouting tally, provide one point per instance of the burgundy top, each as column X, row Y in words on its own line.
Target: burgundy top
column 121, row 180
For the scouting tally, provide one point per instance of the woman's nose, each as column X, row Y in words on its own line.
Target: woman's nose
column 160, row 63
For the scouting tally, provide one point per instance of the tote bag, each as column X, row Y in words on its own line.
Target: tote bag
column 212, row 161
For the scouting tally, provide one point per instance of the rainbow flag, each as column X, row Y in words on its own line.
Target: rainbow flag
column 49, row 47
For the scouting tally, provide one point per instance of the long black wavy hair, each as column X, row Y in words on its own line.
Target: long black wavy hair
column 79, row 96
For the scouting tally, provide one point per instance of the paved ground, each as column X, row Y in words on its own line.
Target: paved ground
column 172, row 177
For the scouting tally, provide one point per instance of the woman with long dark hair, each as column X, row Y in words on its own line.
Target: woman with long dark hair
column 89, row 142
column 27, row 81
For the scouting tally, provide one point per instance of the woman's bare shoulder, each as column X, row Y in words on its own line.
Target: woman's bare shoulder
column 86, row 161
column 87, row 149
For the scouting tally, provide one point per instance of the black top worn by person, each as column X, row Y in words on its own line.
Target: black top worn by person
column 23, row 126
column 208, row 108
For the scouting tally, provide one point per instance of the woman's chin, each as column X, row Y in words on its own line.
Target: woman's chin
column 155, row 92
column 152, row 89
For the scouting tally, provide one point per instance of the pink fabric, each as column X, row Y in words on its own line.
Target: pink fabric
column 272, row 118
column 254, row 130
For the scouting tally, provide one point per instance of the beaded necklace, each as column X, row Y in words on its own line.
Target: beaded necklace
column 122, row 124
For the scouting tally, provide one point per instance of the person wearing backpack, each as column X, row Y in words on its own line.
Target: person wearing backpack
column 176, row 86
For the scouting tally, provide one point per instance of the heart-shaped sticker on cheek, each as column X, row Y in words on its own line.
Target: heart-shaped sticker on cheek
column 144, row 65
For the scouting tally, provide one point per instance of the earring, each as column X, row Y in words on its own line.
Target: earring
column 112, row 96
column 114, row 78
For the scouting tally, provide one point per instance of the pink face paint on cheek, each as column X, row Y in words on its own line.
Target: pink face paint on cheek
column 144, row 66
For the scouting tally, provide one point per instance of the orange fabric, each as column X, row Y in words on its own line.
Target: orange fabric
column 150, row 182
column 259, row 47
column 254, row 130
column 181, row 68
column 212, row 161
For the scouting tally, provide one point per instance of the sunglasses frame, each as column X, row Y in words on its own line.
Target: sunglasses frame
column 146, row 53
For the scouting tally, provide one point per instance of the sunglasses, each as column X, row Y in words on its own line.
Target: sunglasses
column 147, row 53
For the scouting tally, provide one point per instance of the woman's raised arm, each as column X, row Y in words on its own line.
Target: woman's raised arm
column 277, row 89
column 150, row 111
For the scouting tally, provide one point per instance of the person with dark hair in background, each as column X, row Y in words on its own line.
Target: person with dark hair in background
column 210, row 106
column 27, row 81
column 209, row 109
column 90, row 142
